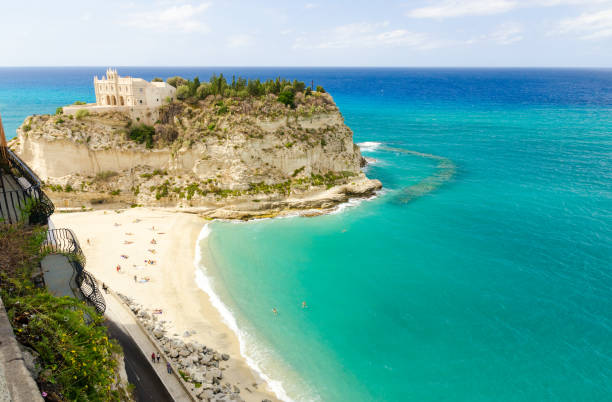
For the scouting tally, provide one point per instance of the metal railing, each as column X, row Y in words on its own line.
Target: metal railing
column 63, row 241
column 28, row 200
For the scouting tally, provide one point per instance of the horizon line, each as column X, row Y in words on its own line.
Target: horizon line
column 316, row 67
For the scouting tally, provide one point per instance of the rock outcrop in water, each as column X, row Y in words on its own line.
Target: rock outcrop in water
column 223, row 157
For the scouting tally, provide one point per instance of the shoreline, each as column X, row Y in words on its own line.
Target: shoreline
column 172, row 287
column 203, row 280
column 186, row 279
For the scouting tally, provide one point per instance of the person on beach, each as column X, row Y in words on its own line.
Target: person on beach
column 153, row 241
column 104, row 287
column 275, row 311
column 169, row 368
column 153, row 357
column 158, row 357
column 135, row 278
column 118, row 268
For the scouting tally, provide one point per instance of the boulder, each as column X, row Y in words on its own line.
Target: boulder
column 197, row 377
column 184, row 352
column 174, row 353
column 225, row 356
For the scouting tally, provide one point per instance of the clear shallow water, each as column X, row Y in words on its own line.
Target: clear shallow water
column 494, row 284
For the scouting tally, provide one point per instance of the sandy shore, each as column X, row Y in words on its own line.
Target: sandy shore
column 107, row 235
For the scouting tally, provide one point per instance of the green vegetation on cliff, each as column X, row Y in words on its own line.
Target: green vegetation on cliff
column 193, row 90
column 76, row 357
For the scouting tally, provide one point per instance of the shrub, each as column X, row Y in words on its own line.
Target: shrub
column 183, row 92
column 105, row 175
column 204, row 90
column 59, row 110
column 157, row 79
column 80, row 114
column 141, row 133
column 80, row 103
column 223, row 109
column 320, row 89
column 59, row 121
column 287, row 97
column 115, row 192
column 298, row 171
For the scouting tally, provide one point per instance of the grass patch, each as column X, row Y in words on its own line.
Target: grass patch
column 80, row 114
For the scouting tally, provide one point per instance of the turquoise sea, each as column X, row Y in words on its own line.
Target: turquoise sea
column 482, row 271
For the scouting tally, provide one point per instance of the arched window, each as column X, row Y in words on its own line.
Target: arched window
column 108, row 100
column 114, row 101
column 121, row 102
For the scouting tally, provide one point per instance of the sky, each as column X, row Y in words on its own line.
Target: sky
column 413, row 33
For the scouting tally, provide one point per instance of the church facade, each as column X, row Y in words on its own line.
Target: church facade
column 114, row 90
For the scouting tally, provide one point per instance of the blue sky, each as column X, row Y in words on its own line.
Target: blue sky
column 562, row 33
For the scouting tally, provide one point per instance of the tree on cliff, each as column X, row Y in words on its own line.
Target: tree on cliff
column 183, row 92
column 176, row 81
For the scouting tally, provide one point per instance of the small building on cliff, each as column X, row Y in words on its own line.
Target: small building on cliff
column 114, row 90
column 137, row 97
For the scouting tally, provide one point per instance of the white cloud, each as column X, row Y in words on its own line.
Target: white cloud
column 507, row 34
column 441, row 9
column 364, row 35
column 593, row 25
column 310, row 6
column 184, row 18
column 458, row 8
column 240, row 40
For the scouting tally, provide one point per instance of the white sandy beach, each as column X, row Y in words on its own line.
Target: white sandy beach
column 171, row 286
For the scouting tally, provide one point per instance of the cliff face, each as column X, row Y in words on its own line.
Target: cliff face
column 226, row 147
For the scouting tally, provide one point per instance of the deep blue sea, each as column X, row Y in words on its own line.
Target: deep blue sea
column 482, row 271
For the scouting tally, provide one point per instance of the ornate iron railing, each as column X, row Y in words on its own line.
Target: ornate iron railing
column 63, row 241
column 26, row 201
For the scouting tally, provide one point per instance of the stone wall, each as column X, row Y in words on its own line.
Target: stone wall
column 143, row 114
column 16, row 382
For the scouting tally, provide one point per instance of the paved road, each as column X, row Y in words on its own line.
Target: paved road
column 140, row 373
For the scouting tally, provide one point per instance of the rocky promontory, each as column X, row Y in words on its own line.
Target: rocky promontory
column 234, row 157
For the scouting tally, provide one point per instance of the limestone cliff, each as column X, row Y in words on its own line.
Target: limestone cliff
column 220, row 154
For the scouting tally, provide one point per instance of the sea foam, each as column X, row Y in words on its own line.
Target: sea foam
column 204, row 283
column 369, row 146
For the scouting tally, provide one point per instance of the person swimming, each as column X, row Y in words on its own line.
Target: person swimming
column 274, row 311
column 304, row 305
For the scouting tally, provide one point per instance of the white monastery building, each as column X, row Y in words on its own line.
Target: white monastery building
column 114, row 90
column 138, row 98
